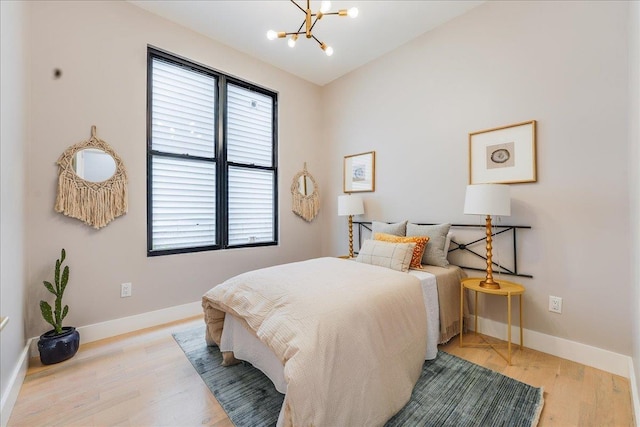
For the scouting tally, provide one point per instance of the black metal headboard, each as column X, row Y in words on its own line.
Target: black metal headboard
column 458, row 245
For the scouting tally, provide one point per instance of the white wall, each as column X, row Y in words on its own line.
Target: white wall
column 101, row 48
column 563, row 64
column 13, row 117
column 634, row 182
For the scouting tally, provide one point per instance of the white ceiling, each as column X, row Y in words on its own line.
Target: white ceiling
column 380, row 27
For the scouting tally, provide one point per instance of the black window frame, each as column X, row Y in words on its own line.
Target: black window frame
column 220, row 149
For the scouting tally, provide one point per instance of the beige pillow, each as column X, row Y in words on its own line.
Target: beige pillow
column 396, row 228
column 396, row 256
column 434, row 254
column 418, row 251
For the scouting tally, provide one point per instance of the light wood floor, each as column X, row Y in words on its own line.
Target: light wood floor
column 144, row 379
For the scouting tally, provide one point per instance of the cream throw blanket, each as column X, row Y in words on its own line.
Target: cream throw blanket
column 351, row 336
column 448, row 281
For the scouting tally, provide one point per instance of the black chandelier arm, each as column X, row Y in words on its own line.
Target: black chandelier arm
column 299, row 7
column 313, row 25
column 300, row 27
column 303, row 23
column 287, row 33
column 316, row 39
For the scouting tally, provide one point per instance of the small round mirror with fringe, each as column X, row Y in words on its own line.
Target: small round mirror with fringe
column 304, row 195
column 98, row 200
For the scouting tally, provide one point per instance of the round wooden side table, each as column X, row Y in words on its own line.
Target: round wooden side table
column 507, row 289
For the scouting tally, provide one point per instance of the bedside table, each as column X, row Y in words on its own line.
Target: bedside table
column 507, row 289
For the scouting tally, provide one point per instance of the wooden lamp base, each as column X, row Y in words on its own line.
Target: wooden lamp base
column 488, row 282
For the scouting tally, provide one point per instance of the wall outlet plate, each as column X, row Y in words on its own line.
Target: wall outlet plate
column 555, row 304
column 125, row 290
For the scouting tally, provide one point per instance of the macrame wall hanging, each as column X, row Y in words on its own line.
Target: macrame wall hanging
column 304, row 193
column 94, row 203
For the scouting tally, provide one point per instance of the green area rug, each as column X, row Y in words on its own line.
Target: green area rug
column 450, row 392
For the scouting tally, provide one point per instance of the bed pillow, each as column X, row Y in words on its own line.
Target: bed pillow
column 418, row 251
column 397, row 229
column 396, row 256
column 447, row 243
column 434, row 253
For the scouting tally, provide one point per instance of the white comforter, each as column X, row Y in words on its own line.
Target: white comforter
column 350, row 336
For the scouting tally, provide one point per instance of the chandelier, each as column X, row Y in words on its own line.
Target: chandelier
column 309, row 22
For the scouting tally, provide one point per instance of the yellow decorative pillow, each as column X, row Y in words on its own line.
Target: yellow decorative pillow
column 420, row 241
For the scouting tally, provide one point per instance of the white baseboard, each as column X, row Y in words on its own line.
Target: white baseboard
column 605, row 360
column 13, row 388
column 123, row 325
column 635, row 396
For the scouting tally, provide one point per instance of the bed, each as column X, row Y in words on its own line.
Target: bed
column 246, row 346
column 331, row 375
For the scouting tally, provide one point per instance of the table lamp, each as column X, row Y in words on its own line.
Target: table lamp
column 488, row 199
column 350, row 205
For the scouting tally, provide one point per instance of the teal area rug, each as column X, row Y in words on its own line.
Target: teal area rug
column 450, row 392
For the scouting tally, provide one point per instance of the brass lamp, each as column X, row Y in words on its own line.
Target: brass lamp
column 350, row 205
column 488, row 199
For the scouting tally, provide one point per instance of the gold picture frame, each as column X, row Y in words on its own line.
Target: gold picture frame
column 503, row 155
column 359, row 173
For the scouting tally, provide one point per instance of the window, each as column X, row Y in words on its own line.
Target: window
column 211, row 159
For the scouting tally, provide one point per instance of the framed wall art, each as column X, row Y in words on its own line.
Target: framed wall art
column 503, row 155
column 359, row 173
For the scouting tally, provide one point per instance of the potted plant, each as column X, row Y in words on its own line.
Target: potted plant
column 62, row 342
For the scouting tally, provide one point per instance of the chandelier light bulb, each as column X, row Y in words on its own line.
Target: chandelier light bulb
column 353, row 12
column 292, row 41
column 272, row 35
column 329, row 51
column 325, row 6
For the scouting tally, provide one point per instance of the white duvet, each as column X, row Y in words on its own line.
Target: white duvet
column 336, row 375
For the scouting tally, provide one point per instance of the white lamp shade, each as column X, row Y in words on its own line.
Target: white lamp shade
column 488, row 199
column 350, row 205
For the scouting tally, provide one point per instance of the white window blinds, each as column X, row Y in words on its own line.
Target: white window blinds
column 250, row 143
column 183, row 189
column 250, row 206
column 184, row 203
column 183, row 111
column 196, row 200
column 249, row 127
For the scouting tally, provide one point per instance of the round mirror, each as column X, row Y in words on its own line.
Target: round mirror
column 305, row 185
column 93, row 165
column 304, row 194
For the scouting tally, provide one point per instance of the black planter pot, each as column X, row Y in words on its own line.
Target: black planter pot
column 55, row 348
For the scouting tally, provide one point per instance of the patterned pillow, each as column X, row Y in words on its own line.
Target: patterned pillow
column 420, row 241
column 396, row 256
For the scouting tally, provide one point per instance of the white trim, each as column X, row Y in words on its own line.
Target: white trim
column 13, row 388
column 598, row 358
column 123, row 325
column 635, row 396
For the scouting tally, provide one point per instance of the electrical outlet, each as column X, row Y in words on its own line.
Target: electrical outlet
column 555, row 304
column 125, row 290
